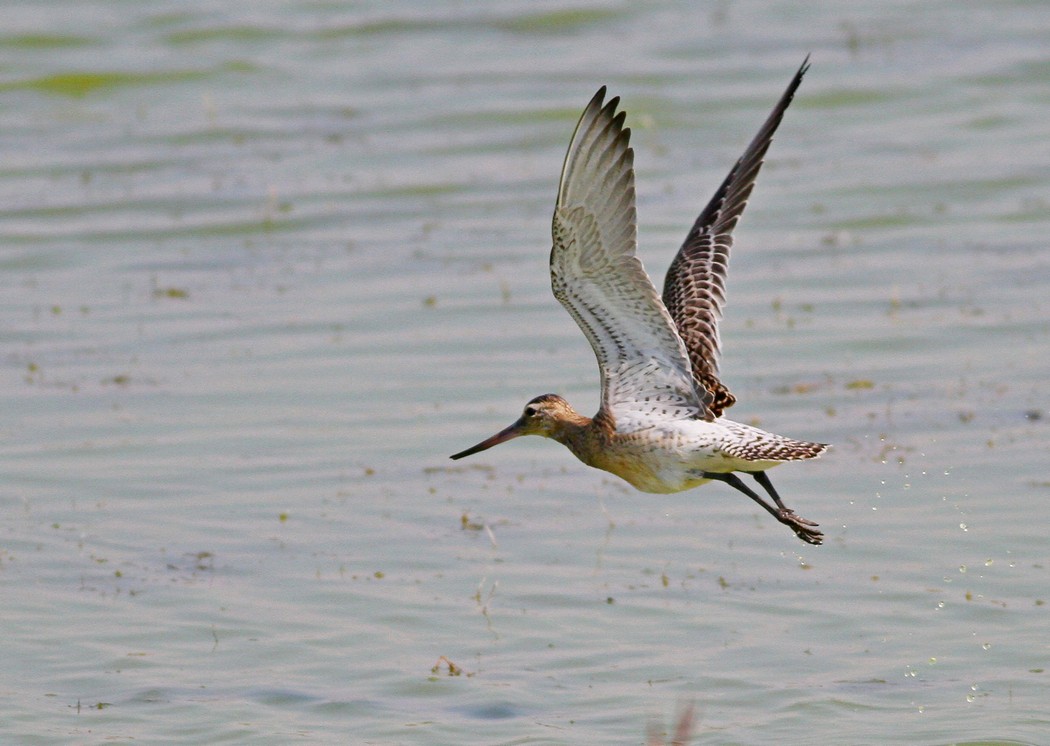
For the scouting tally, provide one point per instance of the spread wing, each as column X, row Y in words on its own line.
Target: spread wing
column 597, row 277
column 694, row 290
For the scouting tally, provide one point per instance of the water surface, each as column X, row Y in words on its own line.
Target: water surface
column 263, row 270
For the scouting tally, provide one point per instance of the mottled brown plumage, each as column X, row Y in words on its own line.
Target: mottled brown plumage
column 695, row 285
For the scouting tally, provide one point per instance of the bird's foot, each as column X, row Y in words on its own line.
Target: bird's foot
column 804, row 529
column 793, row 518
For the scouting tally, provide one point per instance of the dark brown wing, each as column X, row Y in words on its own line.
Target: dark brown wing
column 694, row 290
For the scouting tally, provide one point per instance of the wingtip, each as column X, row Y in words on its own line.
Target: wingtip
column 598, row 99
column 599, row 104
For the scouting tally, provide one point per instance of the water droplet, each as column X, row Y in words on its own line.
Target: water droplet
column 962, row 569
column 932, row 660
column 986, row 646
column 988, row 562
column 963, row 527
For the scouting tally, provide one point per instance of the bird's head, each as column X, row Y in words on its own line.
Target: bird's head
column 545, row 415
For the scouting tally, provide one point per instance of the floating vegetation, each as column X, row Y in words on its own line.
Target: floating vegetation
column 46, row 41
column 451, row 668
column 33, row 374
column 565, row 21
column 171, row 292
column 96, row 706
column 80, row 84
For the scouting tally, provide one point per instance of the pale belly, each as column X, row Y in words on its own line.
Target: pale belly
column 670, row 460
column 666, row 476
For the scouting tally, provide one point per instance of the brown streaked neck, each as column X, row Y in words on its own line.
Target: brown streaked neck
column 584, row 436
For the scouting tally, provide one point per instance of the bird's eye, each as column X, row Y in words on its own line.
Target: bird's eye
column 530, row 411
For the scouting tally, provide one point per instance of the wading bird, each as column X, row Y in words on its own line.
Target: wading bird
column 660, row 425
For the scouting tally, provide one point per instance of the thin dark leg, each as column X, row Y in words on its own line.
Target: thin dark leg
column 734, row 481
column 762, row 479
column 803, row 529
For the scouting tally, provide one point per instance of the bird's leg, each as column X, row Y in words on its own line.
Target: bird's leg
column 734, row 481
column 762, row 479
column 803, row 529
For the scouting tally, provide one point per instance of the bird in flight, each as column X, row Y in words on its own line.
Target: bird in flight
column 660, row 425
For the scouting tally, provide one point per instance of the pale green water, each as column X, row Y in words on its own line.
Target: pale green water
column 263, row 270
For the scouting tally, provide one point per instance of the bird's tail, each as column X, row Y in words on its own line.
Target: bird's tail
column 769, row 447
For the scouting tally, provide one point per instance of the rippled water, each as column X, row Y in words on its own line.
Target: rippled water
column 264, row 269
